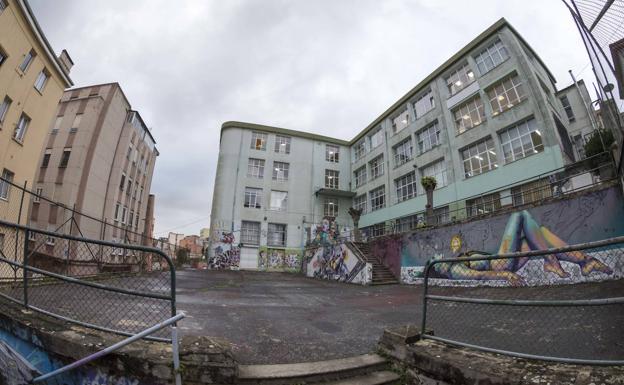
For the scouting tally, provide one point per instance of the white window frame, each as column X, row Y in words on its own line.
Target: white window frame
column 4, row 107
column 521, row 140
column 21, row 128
column 255, row 168
column 483, row 204
column 491, row 56
column 42, row 80
column 332, row 153
column 332, row 179
column 428, row 137
column 565, row 102
column 281, row 171
column 376, row 167
column 377, row 198
column 359, row 149
column 277, row 234
column 460, row 79
column 437, row 170
column 360, row 176
column 330, row 207
column 27, row 61
column 258, row 140
column 282, row 144
column 401, row 121
column 424, row 104
column 505, row 94
column 481, row 153
column 360, row 202
column 278, row 200
column 406, row 187
column 376, row 139
column 5, row 184
column 250, row 232
column 253, row 198
column 469, row 114
column 403, row 152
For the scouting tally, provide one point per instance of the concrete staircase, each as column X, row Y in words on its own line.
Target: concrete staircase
column 381, row 274
column 367, row 369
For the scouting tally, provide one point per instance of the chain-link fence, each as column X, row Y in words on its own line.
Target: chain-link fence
column 562, row 304
column 100, row 284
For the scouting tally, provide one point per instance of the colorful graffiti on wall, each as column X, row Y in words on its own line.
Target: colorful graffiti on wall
column 335, row 262
column 327, row 231
column 589, row 217
column 279, row 259
column 226, row 253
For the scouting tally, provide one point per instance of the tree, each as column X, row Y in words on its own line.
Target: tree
column 594, row 146
column 429, row 183
column 182, row 256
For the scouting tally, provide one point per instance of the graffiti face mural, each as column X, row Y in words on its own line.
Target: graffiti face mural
column 226, row 253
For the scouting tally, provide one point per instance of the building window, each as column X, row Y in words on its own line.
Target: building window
column 129, row 187
column 46, row 158
column 378, row 229
column 491, row 57
column 376, row 167
column 5, row 184
column 42, row 79
column 280, row 171
column 359, row 149
column 376, row 138
column 360, row 176
column 521, row 140
column 436, row 170
column 460, row 79
column 401, row 121
column 117, row 211
column 359, row 202
column 124, row 214
column 406, row 186
column 129, row 153
column 65, row 157
column 38, row 194
column 4, row 108
column 122, row 183
column 428, row 138
column 136, row 190
column 424, row 104
column 483, row 204
column 535, row 191
column 250, row 232
column 276, row 235
column 282, row 144
column 506, row 94
column 564, row 101
column 76, row 124
column 131, row 218
column 20, row 129
column 258, row 141
column 253, row 197
column 378, row 198
column 469, row 114
column 442, row 215
column 27, row 60
column 331, row 179
column 332, row 153
column 330, row 207
column 279, row 200
column 479, row 158
column 403, row 152
column 410, row 223
column 3, row 55
column 255, row 168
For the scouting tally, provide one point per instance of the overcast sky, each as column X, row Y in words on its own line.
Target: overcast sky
column 330, row 67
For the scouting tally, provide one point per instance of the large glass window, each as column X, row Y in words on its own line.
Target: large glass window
column 276, row 235
column 401, row 121
column 255, row 168
column 282, row 144
column 442, row 215
column 250, row 232
column 436, row 170
column 42, row 79
column 479, row 158
column 378, row 198
column 27, row 60
column 280, row 171
column 359, row 202
column 21, row 127
column 5, row 184
column 376, row 167
column 332, row 153
column 521, row 140
column 428, row 137
column 279, row 200
column 376, row 138
column 492, row 56
column 459, row 79
column 410, row 222
column 469, row 114
column 531, row 192
column 258, row 140
column 330, row 207
column 406, row 186
column 506, row 94
column 424, row 104
column 483, row 204
column 331, row 179
column 564, row 101
column 403, row 152
column 253, row 197
column 360, row 176
column 359, row 149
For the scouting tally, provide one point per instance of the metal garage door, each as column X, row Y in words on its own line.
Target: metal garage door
column 249, row 258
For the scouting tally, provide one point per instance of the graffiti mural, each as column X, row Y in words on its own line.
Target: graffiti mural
column 335, row 262
column 279, row 259
column 326, row 232
column 582, row 218
column 226, row 253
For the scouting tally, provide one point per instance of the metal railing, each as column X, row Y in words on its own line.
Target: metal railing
column 598, row 168
column 531, row 304
column 103, row 285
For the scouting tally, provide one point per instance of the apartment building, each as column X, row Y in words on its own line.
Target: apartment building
column 32, row 80
column 581, row 117
column 98, row 158
column 485, row 119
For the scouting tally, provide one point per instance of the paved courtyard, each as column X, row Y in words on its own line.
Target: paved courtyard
column 282, row 318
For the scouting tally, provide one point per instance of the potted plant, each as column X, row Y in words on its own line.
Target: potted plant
column 429, row 183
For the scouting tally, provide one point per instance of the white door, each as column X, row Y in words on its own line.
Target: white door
column 249, row 258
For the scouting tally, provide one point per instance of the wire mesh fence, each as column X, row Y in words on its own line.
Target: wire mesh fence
column 563, row 304
column 115, row 287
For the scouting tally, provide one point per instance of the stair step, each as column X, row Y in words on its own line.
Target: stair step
column 311, row 372
column 375, row 378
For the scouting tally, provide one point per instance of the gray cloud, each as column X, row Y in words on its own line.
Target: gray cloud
column 325, row 66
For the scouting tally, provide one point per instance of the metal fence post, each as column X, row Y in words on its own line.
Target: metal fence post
column 176, row 354
column 25, row 271
column 424, row 298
